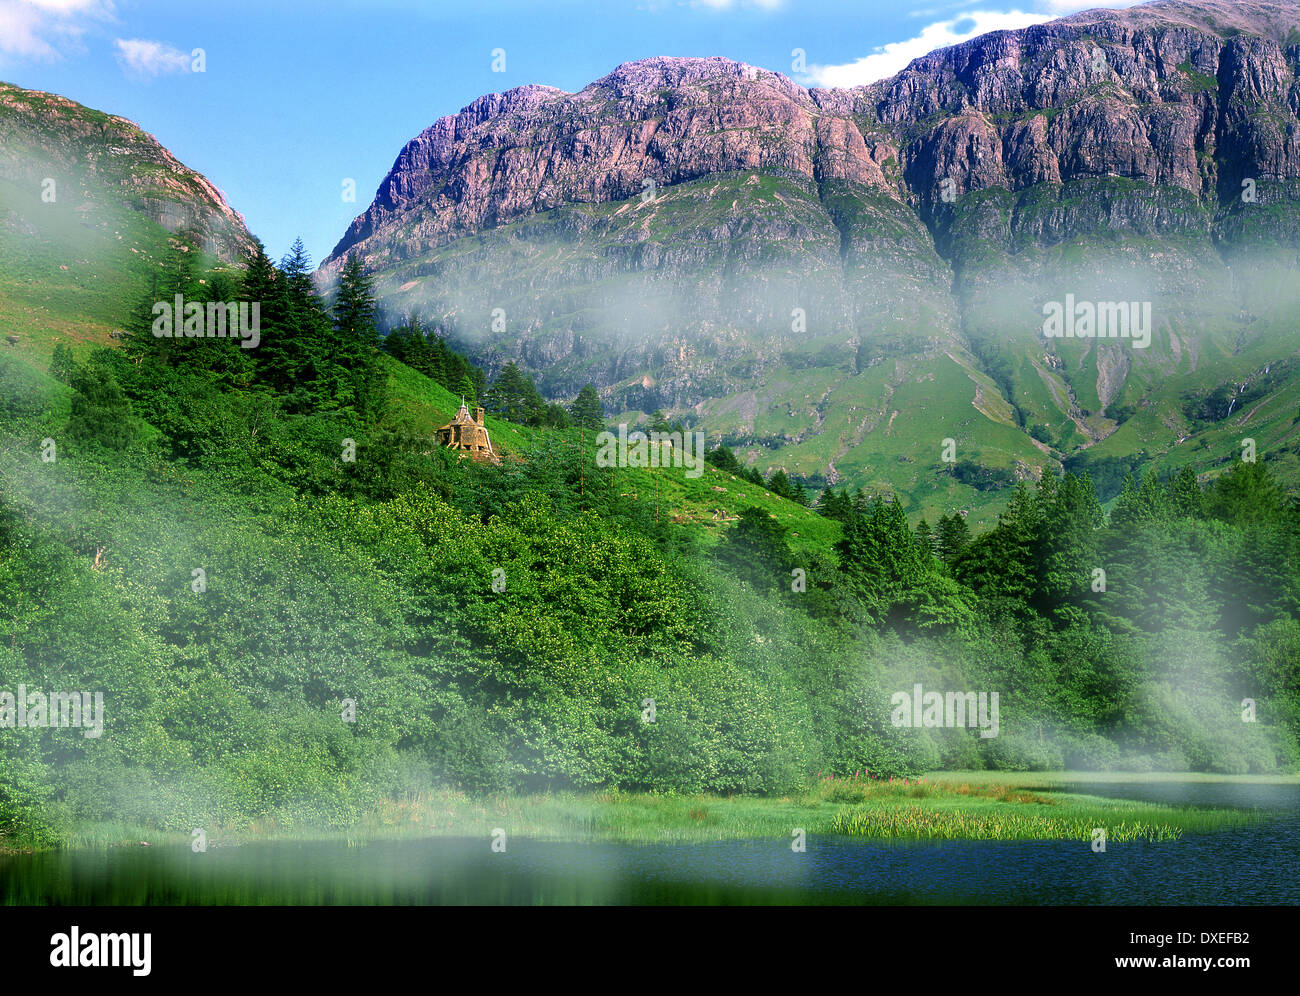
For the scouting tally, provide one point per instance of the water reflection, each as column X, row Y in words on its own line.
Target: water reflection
column 1255, row 865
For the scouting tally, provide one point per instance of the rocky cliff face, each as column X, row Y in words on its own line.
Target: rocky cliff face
column 107, row 163
column 1190, row 96
column 701, row 234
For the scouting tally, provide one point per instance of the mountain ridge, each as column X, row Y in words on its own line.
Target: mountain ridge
column 229, row 238
column 832, row 282
column 893, row 97
column 785, row 265
column 91, row 208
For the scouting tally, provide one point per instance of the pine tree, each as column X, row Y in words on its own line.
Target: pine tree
column 514, row 397
column 1185, row 494
column 925, row 540
column 836, row 504
column 355, row 309
column 1140, row 503
column 260, row 276
column 587, row 410
column 1003, row 563
column 724, row 460
column 467, row 390
column 176, row 276
column 355, row 341
column 1069, row 541
column 861, row 503
column 880, row 558
column 1247, row 495
column 293, row 357
column 779, row 484
column 952, row 537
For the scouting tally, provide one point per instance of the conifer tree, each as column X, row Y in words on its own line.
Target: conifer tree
column 355, row 310
column 779, row 484
column 468, row 390
column 925, row 540
column 587, row 410
column 952, row 537
column 293, row 357
column 514, row 397
column 355, row 341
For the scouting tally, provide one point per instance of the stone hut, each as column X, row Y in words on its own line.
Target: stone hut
column 469, row 435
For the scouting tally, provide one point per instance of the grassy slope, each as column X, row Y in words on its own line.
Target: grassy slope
column 72, row 268
column 419, row 405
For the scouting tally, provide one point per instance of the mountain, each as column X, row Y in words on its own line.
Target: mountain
column 837, row 281
column 89, row 206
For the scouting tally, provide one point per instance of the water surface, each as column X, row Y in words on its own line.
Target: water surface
column 1259, row 864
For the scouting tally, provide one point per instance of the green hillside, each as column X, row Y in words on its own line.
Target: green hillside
column 91, row 209
column 419, row 406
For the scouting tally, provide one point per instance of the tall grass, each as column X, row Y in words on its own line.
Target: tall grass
column 948, row 808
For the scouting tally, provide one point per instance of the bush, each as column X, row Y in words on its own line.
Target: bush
column 468, row 753
column 1090, row 752
column 960, row 750
column 101, row 413
column 1012, row 752
column 27, row 818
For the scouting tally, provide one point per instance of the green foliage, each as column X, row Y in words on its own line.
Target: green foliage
column 587, row 410
column 515, row 397
column 101, row 413
column 724, row 460
column 981, row 478
column 756, row 549
column 951, row 538
column 62, row 366
column 779, row 485
column 421, row 350
column 375, row 580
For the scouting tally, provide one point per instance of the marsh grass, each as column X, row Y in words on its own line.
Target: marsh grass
column 913, row 822
column 984, row 808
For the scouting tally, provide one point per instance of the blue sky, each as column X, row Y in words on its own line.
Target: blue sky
column 295, row 97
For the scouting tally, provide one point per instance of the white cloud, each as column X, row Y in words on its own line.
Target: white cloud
column 69, row 6
column 151, row 58
column 46, row 29
column 20, row 32
column 728, row 4
column 892, row 58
